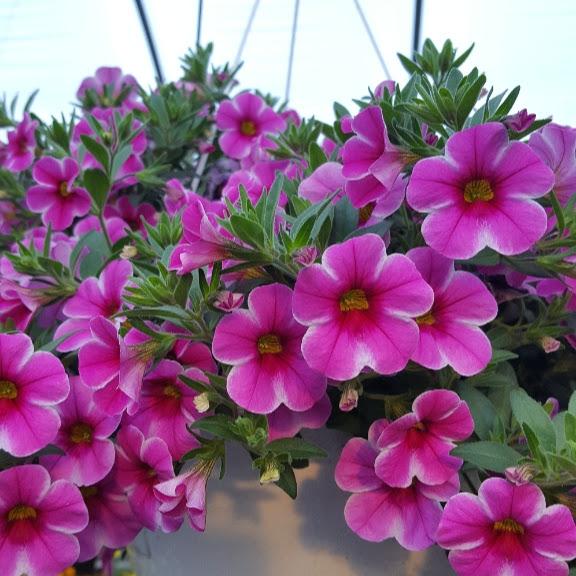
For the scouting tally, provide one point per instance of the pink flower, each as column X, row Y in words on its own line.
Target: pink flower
column 384, row 86
column 186, row 494
column 359, row 305
column 244, row 119
column 19, row 152
column 556, row 146
column 31, row 385
column 116, row 227
column 368, row 193
column 418, row 444
column 166, row 407
column 376, row 511
column 176, row 196
column 481, row 194
column 113, row 370
column 84, row 438
column 203, row 242
column 56, row 198
column 112, row 523
column 141, row 464
column 263, row 346
column 306, row 256
column 507, row 529
column 449, row 331
column 326, row 180
column 38, row 522
column 110, row 88
column 370, row 155
column 227, row 301
column 95, row 297
column 520, row 121
column 285, row 423
column 131, row 214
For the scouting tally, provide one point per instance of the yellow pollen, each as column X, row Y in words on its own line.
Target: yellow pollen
column 81, row 434
column 8, row 390
column 171, row 391
column 269, row 344
column 478, row 190
column 354, row 300
column 426, row 319
column 21, row 512
column 248, row 128
column 88, row 491
column 508, row 525
column 63, row 189
column 365, row 212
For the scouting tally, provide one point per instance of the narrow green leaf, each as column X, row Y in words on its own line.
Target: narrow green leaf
column 316, row 156
column 98, row 185
column 483, row 411
column 488, row 455
column 296, row 448
column 287, row 482
column 97, row 150
column 527, row 410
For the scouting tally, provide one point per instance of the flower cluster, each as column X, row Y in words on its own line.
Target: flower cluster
column 198, row 265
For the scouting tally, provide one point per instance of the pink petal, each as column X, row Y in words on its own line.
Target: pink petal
column 236, row 337
column 355, row 468
column 48, row 171
column 249, row 385
column 554, row 534
column 63, row 508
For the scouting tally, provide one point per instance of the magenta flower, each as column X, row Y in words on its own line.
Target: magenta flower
column 368, row 192
column 418, row 444
column 244, row 119
column 141, row 464
column 112, row 523
column 19, row 152
column 203, row 242
column 56, row 197
column 95, row 297
column 83, row 437
column 176, row 196
column 520, row 121
column 326, row 180
column 384, row 86
column 285, row 423
column 38, row 522
column 166, row 407
column 376, row 511
column 370, row 153
column 481, row 193
column 227, row 301
column 556, row 146
column 31, row 385
column 131, row 214
column 263, row 346
column 507, row 529
column 111, row 368
column 110, row 88
column 115, row 226
column 186, row 494
column 359, row 305
column 449, row 331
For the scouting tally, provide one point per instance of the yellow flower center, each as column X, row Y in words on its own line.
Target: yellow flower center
column 354, row 300
column 21, row 512
column 8, row 390
column 248, row 128
column 171, row 391
column 63, row 189
column 508, row 525
column 478, row 190
column 365, row 212
column 426, row 319
column 269, row 344
column 81, row 434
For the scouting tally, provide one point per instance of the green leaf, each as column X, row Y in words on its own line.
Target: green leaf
column 506, row 106
column 469, row 100
column 483, row 411
column 287, row 482
column 570, row 426
column 345, row 220
column 572, row 404
column 247, row 230
column 219, row 425
column 97, row 150
column 499, row 356
column 316, row 156
column 296, row 448
column 488, row 455
column 527, row 411
column 98, row 186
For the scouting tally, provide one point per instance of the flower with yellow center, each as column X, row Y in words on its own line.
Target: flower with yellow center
column 269, row 344
column 8, row 390
column 354, row 300
column 478, row 190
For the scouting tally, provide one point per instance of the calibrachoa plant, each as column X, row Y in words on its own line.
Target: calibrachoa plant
column 195, row 266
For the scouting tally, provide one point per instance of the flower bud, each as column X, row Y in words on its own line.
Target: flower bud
column 202, row 402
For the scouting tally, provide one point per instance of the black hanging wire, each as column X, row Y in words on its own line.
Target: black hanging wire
column 150, row 40
column 372, row 39
column 417, row 26
column 199, row 25
column 292, row 46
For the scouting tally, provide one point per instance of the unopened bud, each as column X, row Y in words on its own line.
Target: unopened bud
column 306, row 256
column 202, row 402
column 349, row 397
column 128, row 252
column 549, row 344
column 520, row 475
column 270, row 474
column 227, row 301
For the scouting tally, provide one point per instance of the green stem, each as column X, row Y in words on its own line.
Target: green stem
column 104, row 229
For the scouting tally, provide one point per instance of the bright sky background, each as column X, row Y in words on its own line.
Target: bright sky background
column 53, row 44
